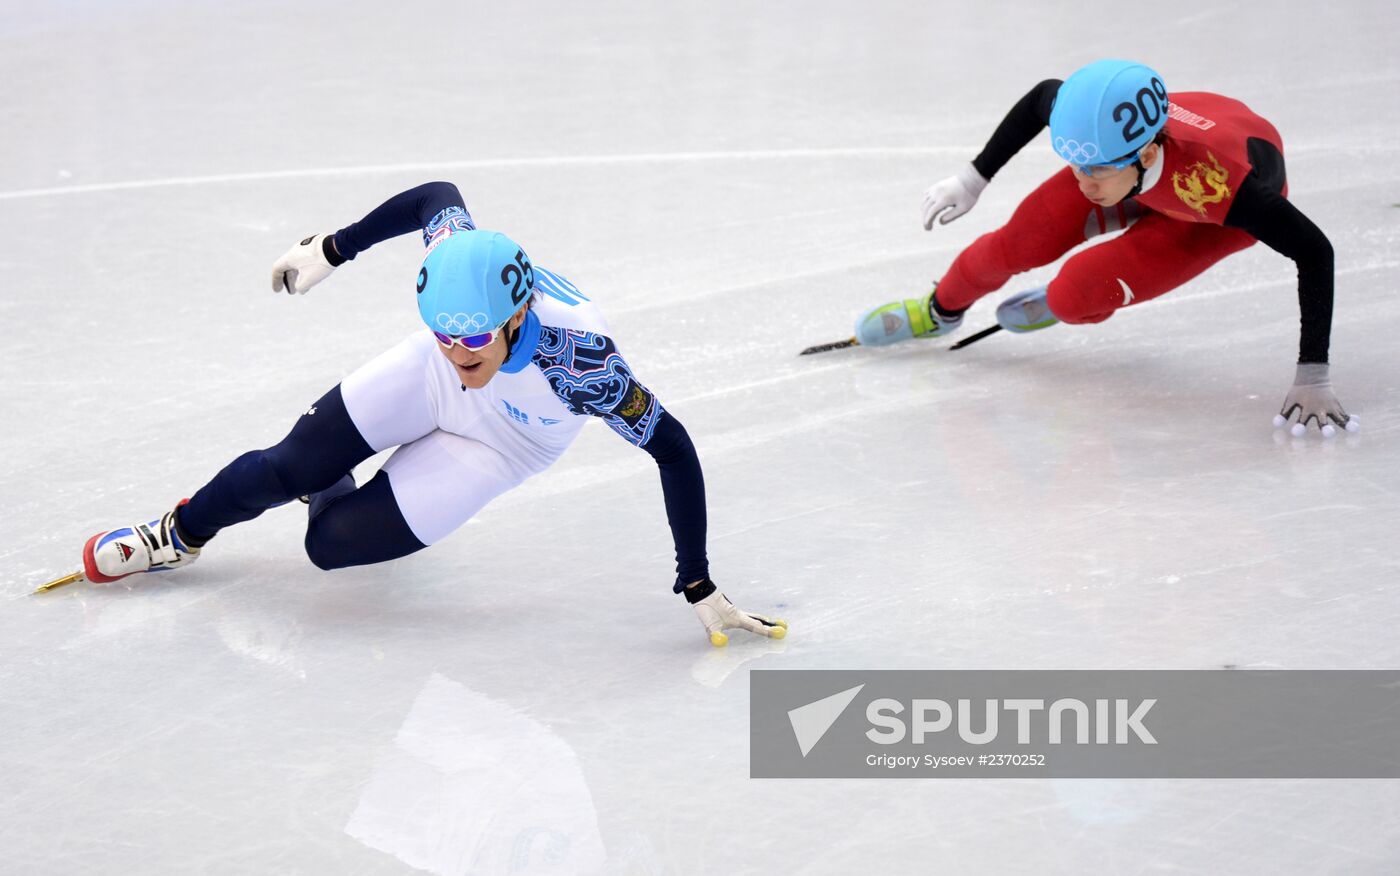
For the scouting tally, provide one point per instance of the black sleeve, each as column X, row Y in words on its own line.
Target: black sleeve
column 683, row 485
column 404, row 212
column 1272, row 220
column 1027, row 118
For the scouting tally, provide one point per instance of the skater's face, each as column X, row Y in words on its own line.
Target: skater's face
column 1107, row 187
column 475, row 368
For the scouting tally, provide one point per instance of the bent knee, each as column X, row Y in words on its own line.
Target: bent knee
column 1075, row 305
column 331, row 541
column 322, row 555
column 360, row 528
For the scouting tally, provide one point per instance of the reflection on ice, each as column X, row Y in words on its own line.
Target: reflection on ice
column 473, row 786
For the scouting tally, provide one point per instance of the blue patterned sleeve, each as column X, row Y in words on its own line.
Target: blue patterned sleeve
column 447, row 221
column 436, row 208
column 590, row 377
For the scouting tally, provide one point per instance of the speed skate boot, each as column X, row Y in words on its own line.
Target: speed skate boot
column 1026, row 311
column 903, row 320
column 144, row 547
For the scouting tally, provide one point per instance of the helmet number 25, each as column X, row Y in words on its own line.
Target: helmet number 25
column 1150, row 104
column 519, row 276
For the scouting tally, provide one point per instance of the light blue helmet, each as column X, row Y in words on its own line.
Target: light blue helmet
column 472, row 282
column 1105, row 112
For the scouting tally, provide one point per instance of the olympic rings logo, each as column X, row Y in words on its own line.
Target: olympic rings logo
column 1075, row 152
column 461, row 323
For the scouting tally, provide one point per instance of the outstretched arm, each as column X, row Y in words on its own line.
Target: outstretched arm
column 948, row 199
column 434, row 208
column 1027, row 118
column 591, row 377
column 413, row 210
column 1273, row 220
column 684, row 489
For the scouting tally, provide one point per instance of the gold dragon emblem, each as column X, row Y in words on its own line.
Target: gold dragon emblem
column 1191, row 186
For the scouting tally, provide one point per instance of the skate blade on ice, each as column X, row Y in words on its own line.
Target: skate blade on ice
column 834, row 345
column 854, row 342
column 56, row 583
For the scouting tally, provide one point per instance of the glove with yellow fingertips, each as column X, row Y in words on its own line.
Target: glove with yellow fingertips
column 718, row 614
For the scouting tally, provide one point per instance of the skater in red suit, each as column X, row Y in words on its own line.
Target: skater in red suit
column 1192, row 177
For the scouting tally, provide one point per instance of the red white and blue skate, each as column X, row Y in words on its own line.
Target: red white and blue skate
column 144, row 547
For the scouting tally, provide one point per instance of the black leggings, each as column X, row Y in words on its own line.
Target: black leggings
column 346, row 527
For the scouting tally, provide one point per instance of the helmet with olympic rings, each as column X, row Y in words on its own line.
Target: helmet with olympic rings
column 1106, row 112
column 473, row 281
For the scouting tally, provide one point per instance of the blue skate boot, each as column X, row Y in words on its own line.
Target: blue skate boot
column 1026, row 311
column 903, row 320
column 144, row 547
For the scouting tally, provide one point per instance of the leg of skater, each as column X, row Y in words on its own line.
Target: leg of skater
column 1152, row 258
column 381, row 405
column 426, row 490
column 320, row 450
column 1049, row 222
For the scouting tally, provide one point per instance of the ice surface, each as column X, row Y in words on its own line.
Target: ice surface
column 733, row 182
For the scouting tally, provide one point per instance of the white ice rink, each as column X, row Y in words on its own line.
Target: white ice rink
column 732, row 181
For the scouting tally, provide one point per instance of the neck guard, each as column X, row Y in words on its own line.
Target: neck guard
column 527, row 338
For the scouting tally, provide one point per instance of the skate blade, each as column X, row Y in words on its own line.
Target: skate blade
column 61, row 582
column 834, row 345
column 972, row 339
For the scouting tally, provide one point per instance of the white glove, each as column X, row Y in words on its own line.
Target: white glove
column 302, row 266
column 952, row 197
column 1311, row 398
column 718, row 614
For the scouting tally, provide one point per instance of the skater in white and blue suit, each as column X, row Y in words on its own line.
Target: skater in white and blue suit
column 514, row 360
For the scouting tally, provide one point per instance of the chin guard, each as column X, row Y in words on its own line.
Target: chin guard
column 1141, row 172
